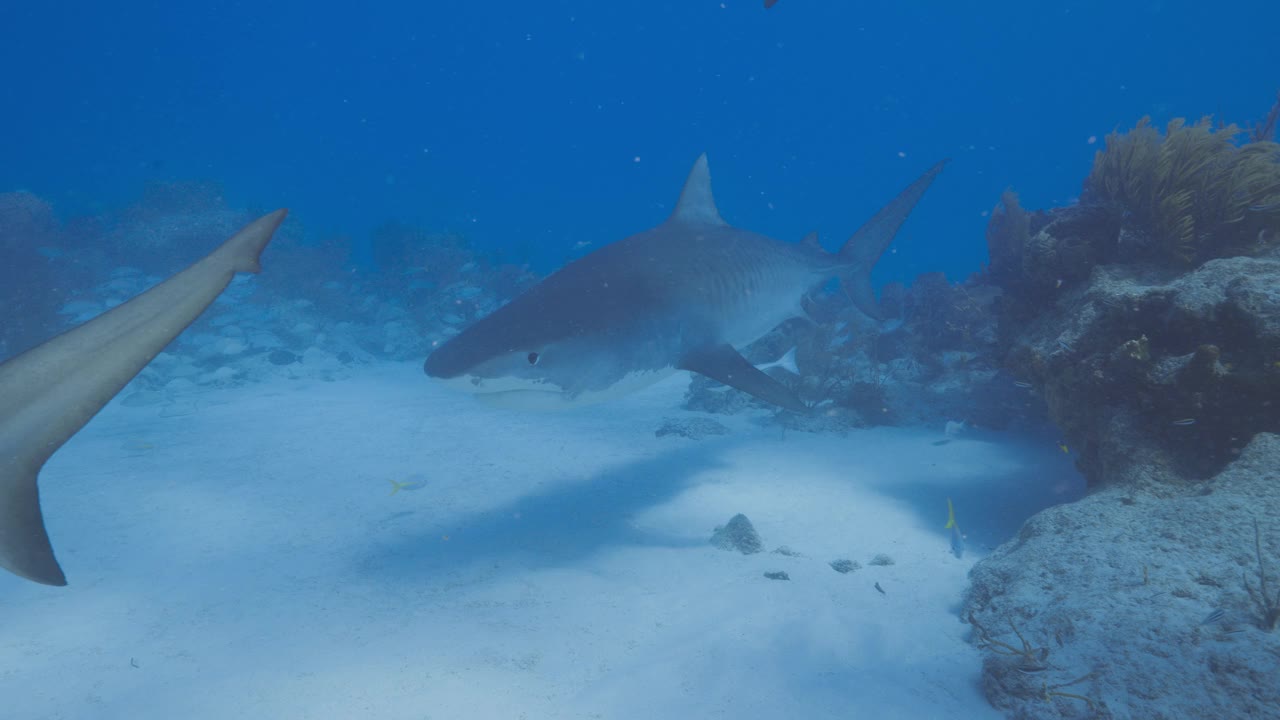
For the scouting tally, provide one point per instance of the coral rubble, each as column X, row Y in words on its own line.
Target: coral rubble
column 1143, row 603
column 1148, row 318
column 1150, row 321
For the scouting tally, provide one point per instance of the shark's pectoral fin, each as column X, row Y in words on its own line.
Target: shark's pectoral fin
column 723, row 363
column 25, row 549
column 810, row 310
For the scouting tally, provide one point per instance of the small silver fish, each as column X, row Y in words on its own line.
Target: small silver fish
column 1066, row 346
column 1213, row 617
column 1184, row 422
column 1022, row 384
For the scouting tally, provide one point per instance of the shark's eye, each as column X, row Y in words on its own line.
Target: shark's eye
column 533, row 358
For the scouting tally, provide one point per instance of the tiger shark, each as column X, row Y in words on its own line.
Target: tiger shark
column 684, row 295
column 52, row 390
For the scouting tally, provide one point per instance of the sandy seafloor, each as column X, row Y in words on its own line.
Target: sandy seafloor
column 240, row 555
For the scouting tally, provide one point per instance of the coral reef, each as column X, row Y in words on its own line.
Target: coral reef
column 1148, row 319
column 441, row 276
column 1266, row 130
column 1147, row 316
column 934, row 361
column 1139, row 601
column 1034, row 255
column 1179, row 372
column 1194, row 192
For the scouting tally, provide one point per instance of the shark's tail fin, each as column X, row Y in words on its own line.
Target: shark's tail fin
column 24, row 545
column 866, row 245
column 244, row 248
column 49, row 392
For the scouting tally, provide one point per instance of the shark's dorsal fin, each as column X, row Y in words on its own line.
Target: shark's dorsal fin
column 723, row 363
column 810, row 242
column 697, row 206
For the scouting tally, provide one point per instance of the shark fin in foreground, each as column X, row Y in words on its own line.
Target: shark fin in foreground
column 52, row 390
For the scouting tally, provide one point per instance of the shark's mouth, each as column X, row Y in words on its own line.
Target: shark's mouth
column 527, row 399
column 511, row 392
column 541, row 394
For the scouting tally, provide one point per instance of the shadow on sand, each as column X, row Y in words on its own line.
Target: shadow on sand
column 569, row 522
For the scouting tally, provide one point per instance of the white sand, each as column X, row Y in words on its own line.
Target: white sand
column 250, row 560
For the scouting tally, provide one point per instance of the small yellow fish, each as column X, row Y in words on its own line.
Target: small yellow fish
column 398, row 485
column 416, row 481
column 1063, row 447
column 957, row 537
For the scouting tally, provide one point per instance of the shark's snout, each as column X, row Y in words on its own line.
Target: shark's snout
column 457, row 357
column 438, row 365
column 464, row 364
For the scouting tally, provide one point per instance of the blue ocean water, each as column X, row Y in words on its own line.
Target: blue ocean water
column 281, row 516
column 542, row 125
